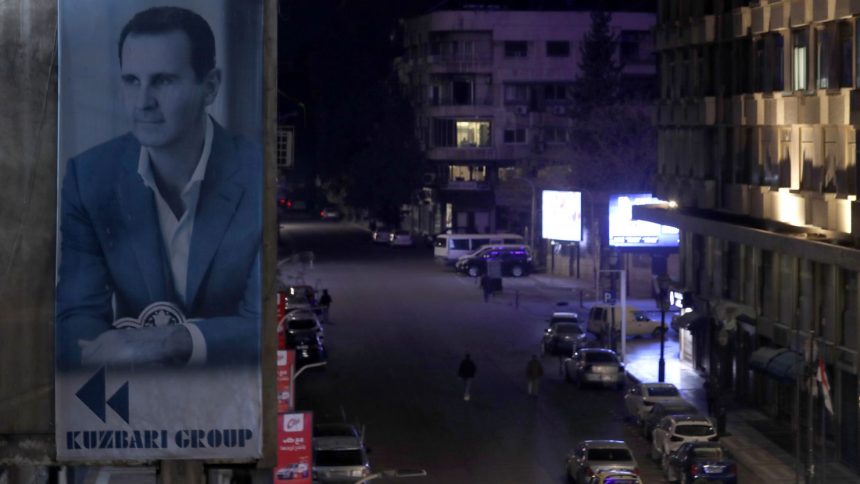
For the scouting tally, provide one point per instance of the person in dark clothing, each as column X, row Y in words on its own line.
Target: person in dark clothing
column 467, row 372
column 325, row 304
column 534, row 372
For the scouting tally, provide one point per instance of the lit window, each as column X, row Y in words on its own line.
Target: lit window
column 472, row 134
column 799, row 59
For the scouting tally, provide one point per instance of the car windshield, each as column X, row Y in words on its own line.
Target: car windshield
column 568, row 328
column 615, row 454
column 694, row 430
column 600, row 357
column 565, row 319
column 711, row 453
column 337, row 458
column 663, row 392
column 301, row 324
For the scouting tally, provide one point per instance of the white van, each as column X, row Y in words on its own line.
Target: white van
column 638, row 322
column 448, row 248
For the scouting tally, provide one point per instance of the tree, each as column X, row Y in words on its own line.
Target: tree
column 599, row 81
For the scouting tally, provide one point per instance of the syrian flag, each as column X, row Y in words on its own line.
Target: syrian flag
column 821, row 376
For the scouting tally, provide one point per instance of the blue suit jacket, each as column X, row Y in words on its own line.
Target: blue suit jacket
column 113, row 262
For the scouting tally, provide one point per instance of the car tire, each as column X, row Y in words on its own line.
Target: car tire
column 473, row 271
column 517, row 271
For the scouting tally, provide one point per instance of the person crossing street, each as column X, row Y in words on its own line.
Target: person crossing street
column 467, row 372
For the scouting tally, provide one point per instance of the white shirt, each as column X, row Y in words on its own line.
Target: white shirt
column 176, row 233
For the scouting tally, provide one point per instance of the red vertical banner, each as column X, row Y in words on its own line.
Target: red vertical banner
column 295, row 453
column 286, row 366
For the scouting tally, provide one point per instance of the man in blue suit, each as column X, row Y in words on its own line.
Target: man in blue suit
column 161, row 227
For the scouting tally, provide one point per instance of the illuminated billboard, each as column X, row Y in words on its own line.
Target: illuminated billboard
column 626, row 232
column 562, row 216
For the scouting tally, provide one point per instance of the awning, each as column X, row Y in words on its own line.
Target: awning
column 779, row 363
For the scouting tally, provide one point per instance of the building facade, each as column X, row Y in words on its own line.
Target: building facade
column 758, row 123
column 490, row 90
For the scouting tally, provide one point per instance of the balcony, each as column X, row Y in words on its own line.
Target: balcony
column 449, row 63
column 464, row 185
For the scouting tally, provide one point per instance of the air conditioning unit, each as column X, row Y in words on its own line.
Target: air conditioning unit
column 559, row 110
column 522, row 110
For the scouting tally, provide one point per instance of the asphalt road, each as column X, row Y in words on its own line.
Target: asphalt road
column 400, row 326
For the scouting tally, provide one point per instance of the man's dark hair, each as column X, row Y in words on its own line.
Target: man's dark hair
column 161, row 20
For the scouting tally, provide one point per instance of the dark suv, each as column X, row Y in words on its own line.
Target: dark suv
column 516, row 260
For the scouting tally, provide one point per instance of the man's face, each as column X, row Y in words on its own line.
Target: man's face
column 163, row 98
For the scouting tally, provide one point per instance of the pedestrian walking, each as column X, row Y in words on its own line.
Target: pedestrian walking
column 710, row 395
column 325, row 304
column 485, row 286
column 467, row 372
column 534, row 372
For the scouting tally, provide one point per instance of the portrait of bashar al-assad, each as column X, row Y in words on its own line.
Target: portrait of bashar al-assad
column 160, row 227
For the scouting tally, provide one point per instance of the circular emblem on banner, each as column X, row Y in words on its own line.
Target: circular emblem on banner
column 161, row 314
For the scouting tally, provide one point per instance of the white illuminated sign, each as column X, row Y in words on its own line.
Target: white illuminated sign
column 626, row 232
column 562, row 215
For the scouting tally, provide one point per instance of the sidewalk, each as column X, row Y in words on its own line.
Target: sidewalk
column 750, row 447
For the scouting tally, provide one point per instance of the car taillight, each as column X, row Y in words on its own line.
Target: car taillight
column 322, row 213
column 695, row 469
column 588, row 472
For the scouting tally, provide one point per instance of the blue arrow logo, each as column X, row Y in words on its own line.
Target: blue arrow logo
column 93, row 395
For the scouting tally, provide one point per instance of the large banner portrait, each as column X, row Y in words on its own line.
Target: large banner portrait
column 158, row 304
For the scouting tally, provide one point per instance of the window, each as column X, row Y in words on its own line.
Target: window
column 555, row 134
column 558, row 48
column 516, row 93
column 472, row 134
column 834, row 51
column 516, row 135
column 775, row 63
column 554, row 92
column 462, row 92
column 799, row 59
column 758, row 65
column 516, row 48
column 444, row 133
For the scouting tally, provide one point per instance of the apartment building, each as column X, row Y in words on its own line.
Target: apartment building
column 758, row 121
column 490, row 90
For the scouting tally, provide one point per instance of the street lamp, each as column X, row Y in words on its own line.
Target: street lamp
column 394, row 474
column 663, row 282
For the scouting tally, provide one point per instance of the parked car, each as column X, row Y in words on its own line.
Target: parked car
column 564, row 338
column 590, row 456
column 339, row 453
column 308, row 346
column 401, row 238
column 599, row 366
column 638, row 323
column 661, row 409
column 515, row 259
column 614, row 476
column 302, row 321
column 702, row 462
column 332, row 213
column 641, row 397
column 674, row 430
column 382, row 235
